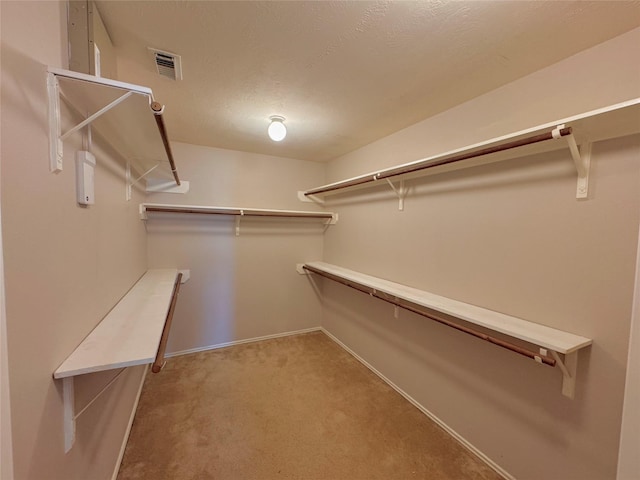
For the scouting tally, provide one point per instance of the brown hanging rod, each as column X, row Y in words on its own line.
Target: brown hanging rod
column 238, row 211
column 430, row 163
column 157, row 113
column 394, row 301
column 159, row 361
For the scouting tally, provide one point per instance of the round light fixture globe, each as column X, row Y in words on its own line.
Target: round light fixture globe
column 277, row 130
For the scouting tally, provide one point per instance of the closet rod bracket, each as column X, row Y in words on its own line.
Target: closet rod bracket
column 333, row 220
column 142, row 209
column 309, row 198
column 163, row 186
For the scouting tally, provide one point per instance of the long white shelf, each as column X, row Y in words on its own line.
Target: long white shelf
column 130, row 333
column 578, row 132
column 124, row 114
column 554, row 340
column 145, row 208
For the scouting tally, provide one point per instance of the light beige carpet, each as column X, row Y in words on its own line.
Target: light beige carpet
column 297, row 407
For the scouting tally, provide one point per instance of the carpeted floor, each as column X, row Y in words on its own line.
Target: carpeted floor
column 296, row 407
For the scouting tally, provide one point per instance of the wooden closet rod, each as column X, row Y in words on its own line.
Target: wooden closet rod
column 159, row 361
column 157, row 113
column 431, row 316
column 423, row 165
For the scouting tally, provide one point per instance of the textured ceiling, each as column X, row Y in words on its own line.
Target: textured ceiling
column 343, row 74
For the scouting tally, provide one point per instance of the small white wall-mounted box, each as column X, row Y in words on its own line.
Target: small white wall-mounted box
column 85, row 165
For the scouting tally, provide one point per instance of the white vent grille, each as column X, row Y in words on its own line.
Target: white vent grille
column 167, row 64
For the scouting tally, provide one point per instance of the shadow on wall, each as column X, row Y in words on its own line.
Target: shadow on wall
column 211, row 257
column 25, row 77
column 242, row 286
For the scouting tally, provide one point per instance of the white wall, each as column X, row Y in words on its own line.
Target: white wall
column 629, row 460
column 243, row 286
column 65, row 266
column 509, row 237
column 6, row 447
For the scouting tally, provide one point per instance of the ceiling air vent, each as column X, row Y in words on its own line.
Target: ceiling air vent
column 167, row 64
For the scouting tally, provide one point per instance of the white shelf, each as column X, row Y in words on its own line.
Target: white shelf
column 554, row 340
column 128, row 126
column 146, row 208
column 602, row 124
column 130, row 333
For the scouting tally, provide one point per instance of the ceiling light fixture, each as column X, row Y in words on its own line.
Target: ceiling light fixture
column 277, row 129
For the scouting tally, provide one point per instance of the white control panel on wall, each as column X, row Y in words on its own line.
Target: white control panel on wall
column 85, row 165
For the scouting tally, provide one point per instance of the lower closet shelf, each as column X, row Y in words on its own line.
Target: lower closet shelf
column 130, row 333
column 549, row 340
column 133, row 333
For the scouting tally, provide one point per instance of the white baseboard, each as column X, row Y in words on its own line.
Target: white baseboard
column 128, row 431
column 240, row 342
column 415, row 403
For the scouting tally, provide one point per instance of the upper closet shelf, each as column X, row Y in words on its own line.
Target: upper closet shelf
column 126, row 116
column 329, row 217
column 552, row 341
column 605, row 123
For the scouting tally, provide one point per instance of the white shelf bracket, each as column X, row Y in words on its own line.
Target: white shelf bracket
column 332, row 221
column 56, row 137
column 68, row 398
column 55, row 143
column 143, row 212
column 131, row 183
column 581, row 159
column 99, row 113
column 127, row 181
column 300, row 269
column 70, row 417
column 400, row 191
column 569, row 367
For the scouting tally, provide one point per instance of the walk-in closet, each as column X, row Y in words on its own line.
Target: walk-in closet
column 320, row 240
